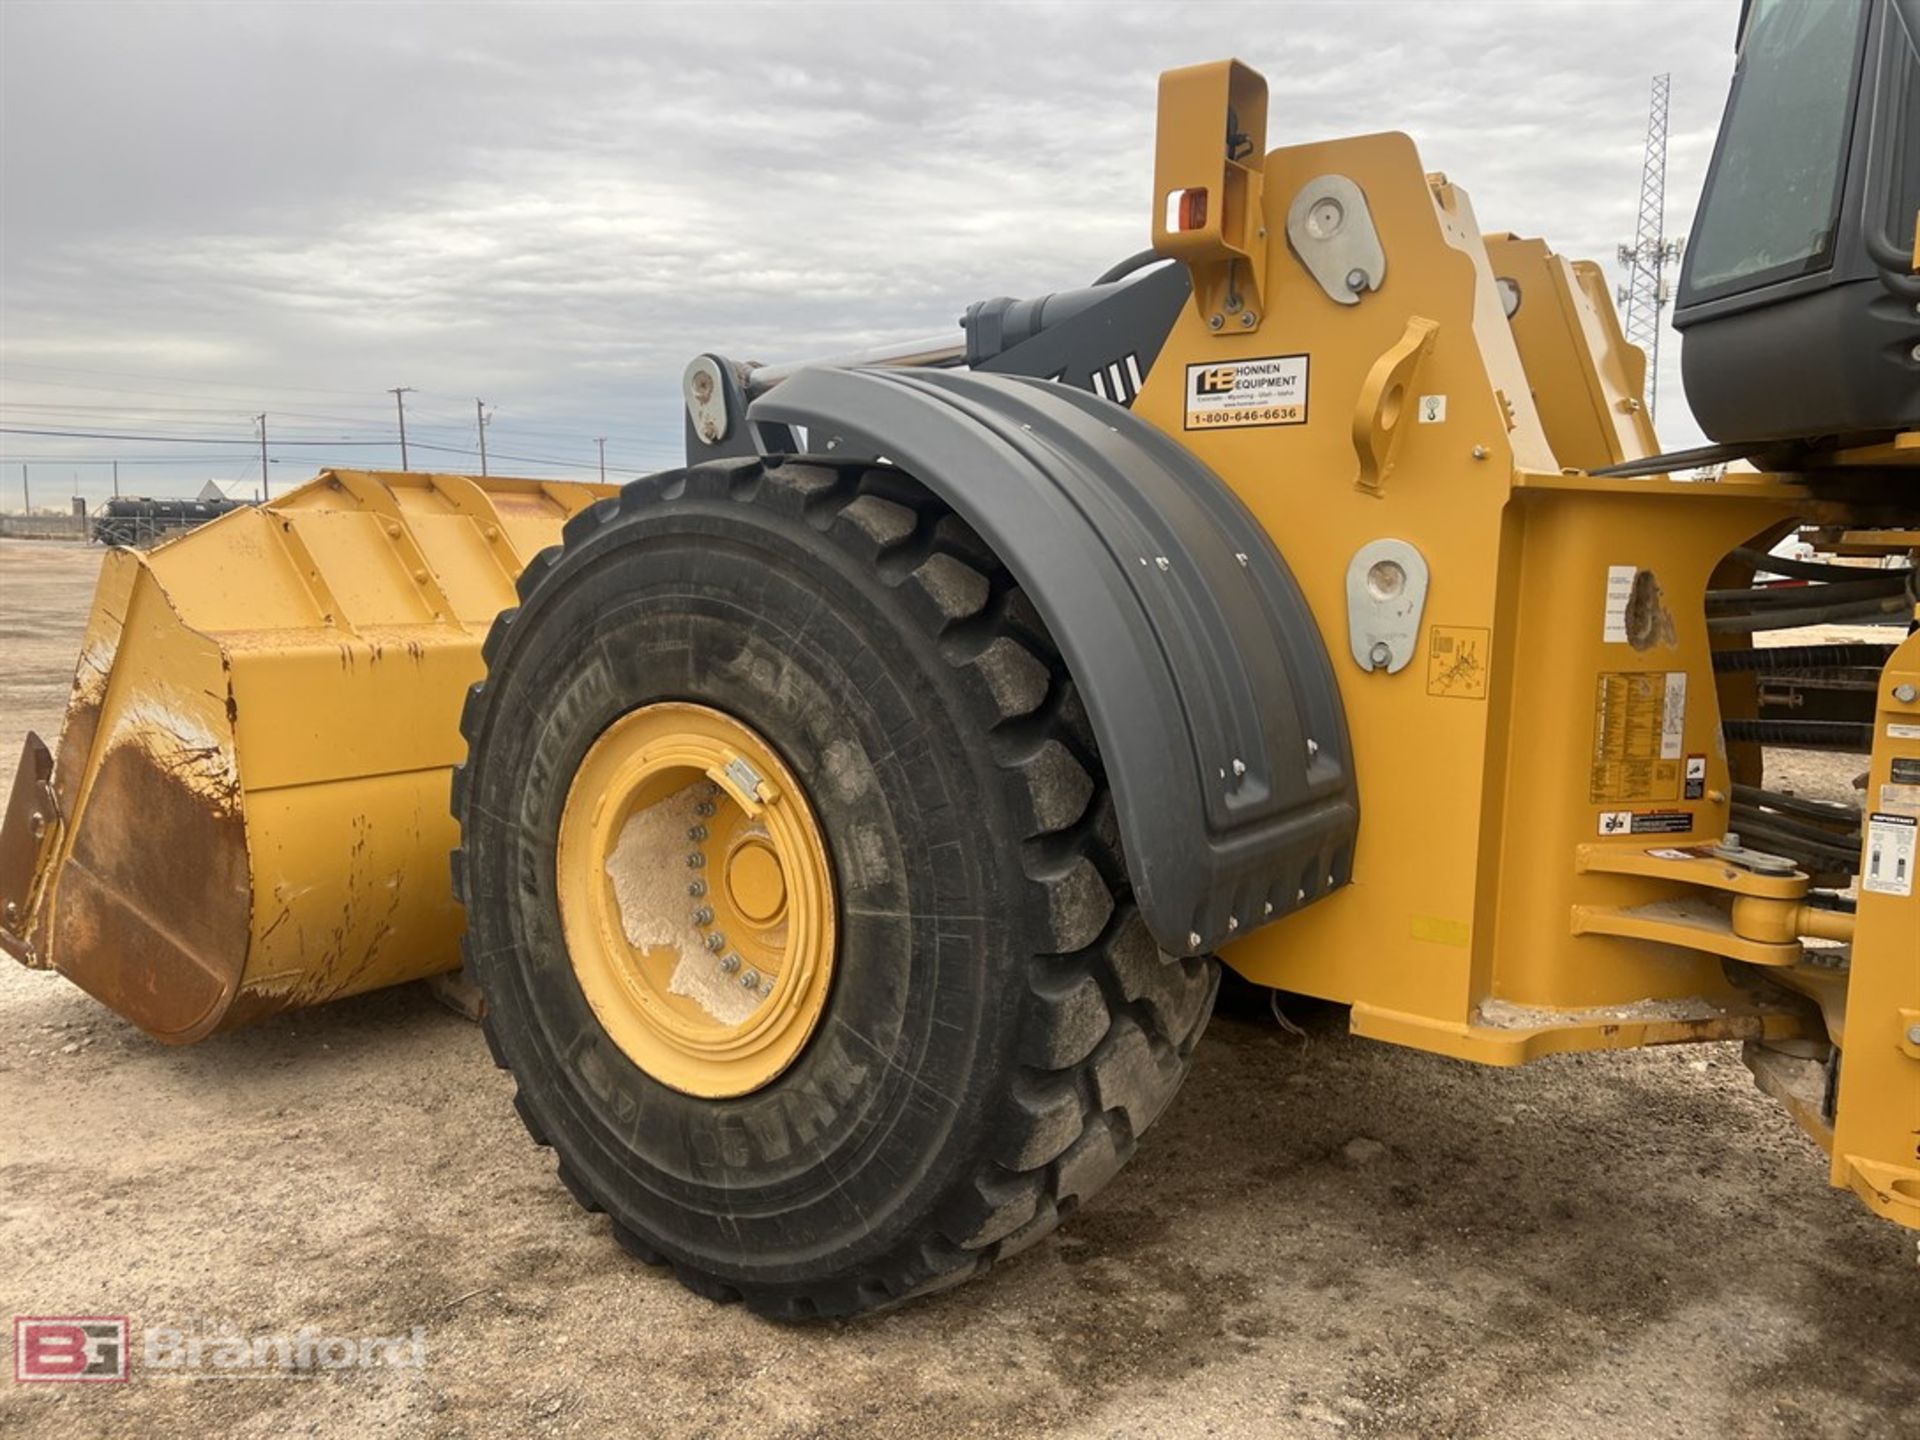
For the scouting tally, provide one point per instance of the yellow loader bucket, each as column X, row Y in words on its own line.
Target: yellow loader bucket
column 248, row 811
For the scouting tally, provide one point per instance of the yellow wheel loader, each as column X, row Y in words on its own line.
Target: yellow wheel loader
column 845, row 828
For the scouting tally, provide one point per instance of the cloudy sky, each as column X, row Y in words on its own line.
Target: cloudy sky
column 211, row 211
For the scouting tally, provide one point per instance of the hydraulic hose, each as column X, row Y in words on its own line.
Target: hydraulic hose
column 1836, row 592
column 1851, row 736
column 1127, row 266
column 1767, row 564
column 1887, row 610
column 1804, row 657
column 1830, row 812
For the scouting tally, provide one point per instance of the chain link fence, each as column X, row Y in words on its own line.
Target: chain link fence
column 140, row 530
column 46, row 527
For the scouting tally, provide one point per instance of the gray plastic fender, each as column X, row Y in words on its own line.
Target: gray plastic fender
column 1209, row 688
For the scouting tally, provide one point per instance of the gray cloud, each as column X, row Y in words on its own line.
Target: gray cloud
column 206, row 211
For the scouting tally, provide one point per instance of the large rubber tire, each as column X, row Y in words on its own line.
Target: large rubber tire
column 1001, row 1028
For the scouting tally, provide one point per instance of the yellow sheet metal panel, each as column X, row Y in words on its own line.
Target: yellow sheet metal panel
column 1587, row 381
column 1476, row 765
column 1395, row 934
column 346, row 894
column 253, row 773
column 1876, row 1147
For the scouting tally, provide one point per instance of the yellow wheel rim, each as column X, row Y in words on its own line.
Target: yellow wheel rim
column 696, row 899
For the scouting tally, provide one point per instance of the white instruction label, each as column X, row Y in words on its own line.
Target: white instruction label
column 1433, row 409
column 1673, row 716
column 1904, row 798
column 1619, row 592
column 1890, row 852
column 1903, row 732
column 1266, row 390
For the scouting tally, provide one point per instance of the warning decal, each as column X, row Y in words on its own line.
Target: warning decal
column 1696, row 777
column 1890, row 854
column 1639, row 721
column 1457, row 661
column 1646, row 822
column 1266, row 390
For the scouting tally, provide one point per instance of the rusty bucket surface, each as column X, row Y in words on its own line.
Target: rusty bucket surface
column 247, row 809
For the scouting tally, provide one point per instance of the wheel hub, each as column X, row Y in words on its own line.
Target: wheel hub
column 696, row 899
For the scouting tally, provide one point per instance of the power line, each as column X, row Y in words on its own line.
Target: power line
column 63, row 458
column 152, row 375
column 240, row 411
column 178, row 439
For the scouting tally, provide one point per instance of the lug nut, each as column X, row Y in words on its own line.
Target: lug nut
column 697, row 889
column 730, row 964
column 716, row 942
column 1905, row 694
column 751, row 980
column 696, row 861
column 703, row 916
column 696, row 832
column 705, row 807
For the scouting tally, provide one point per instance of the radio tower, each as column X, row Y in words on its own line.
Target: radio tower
column 1644, row 295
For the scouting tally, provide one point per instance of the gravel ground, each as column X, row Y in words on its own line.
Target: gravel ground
column 1324, row 1236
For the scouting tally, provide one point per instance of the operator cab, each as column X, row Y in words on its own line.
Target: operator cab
column 1799, row 297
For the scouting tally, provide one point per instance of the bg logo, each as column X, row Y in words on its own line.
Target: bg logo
column 1217, row 381
column 69, row 1347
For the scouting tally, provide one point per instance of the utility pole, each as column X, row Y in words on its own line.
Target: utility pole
column 601, row 441
column 262, row 419
column 1645, row 293
column 26, row 495
column 399, row 393
column 116, row 479
column 480, row 417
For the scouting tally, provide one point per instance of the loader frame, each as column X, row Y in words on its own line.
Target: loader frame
column 1367, row 545
column 1545, row 863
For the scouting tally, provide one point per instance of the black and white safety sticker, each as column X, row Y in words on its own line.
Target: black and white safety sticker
column 1890, row 854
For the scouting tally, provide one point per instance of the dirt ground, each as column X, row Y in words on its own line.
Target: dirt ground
column 1613, row 1244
